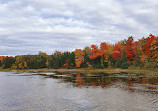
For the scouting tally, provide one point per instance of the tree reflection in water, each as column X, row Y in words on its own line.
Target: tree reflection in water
column 130, row 82
column 79, row 80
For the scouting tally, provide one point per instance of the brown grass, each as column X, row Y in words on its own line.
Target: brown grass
column 134, row 71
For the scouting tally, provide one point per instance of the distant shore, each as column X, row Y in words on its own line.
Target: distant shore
column 135, row 71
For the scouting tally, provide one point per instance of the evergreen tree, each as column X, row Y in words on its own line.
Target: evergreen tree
column 112, row 60
column 124, row 64
column 137, row 60
column 42, row 59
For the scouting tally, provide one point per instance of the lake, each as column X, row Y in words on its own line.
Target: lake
column 72, row 91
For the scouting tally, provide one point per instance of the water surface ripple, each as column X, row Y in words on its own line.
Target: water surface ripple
column 70, row 91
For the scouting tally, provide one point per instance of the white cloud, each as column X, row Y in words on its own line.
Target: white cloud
column 28, row 26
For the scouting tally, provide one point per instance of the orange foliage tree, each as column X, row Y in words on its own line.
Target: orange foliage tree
column 151, row 47
column 79, row 57
column 94, row 52
column 1, row 57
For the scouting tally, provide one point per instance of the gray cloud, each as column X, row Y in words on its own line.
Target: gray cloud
column 29, row 26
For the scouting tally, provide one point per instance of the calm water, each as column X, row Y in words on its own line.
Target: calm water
column 78, row 92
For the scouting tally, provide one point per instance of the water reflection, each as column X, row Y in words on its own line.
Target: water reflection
column 125, row 81
column 71, row 91
column 79, row 80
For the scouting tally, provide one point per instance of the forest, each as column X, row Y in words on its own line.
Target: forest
column 123, row 54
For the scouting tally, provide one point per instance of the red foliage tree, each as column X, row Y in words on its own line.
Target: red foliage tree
column 94, row 52
column 116, row 52
column 147, row 50
column 135, row 47
column 150, row 46
column 129, row 50
column 104, row 50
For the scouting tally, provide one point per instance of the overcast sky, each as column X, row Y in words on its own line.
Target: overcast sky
column 29, row 26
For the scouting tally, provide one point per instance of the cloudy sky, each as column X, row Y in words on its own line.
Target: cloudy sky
column 29, row 26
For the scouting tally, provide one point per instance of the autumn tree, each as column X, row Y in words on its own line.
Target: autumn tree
column 151, row 51
column 103, row 49
column 86, row 61
column 79, row 57
column 112, row 61
column 141, row 53
column 129, row 50
column 95, row 56
column 94, row 52
column 1, row 57
column 64, row 58
column 71, row 62
column 116, row 52
column 136, row 51
column 7, row 62
column 104, row 53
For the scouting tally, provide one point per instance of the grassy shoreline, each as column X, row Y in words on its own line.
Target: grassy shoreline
column 82, row 70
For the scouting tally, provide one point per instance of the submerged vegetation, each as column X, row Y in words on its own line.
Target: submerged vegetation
column 124, row 54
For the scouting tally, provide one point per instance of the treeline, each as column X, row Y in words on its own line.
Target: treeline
column 124, row 54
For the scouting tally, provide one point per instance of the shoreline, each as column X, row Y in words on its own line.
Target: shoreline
column 82, row 70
